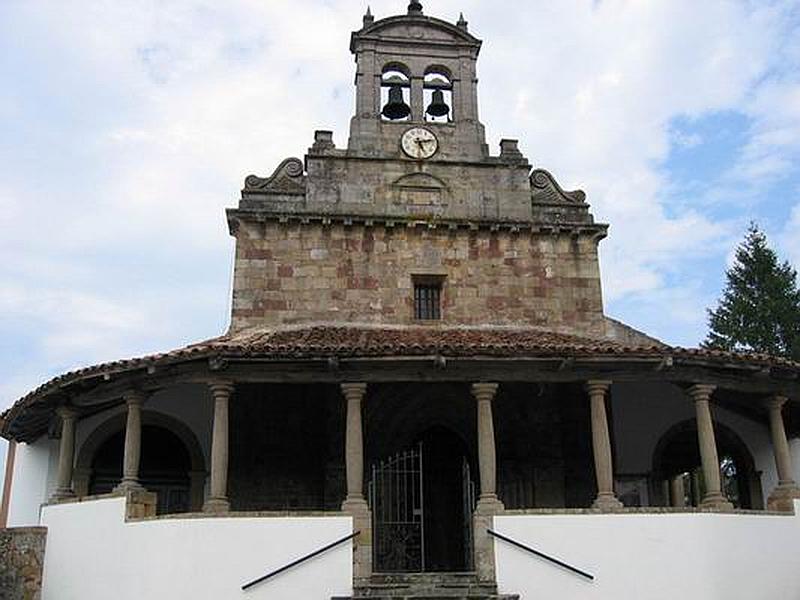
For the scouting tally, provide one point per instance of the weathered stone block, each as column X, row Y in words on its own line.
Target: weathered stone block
column 21, row 561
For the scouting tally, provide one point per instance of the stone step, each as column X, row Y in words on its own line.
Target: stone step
column 433, row 596
column 427, row 586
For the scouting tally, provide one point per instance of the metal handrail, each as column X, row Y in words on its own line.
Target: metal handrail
column 555, row 561
column 299, row 561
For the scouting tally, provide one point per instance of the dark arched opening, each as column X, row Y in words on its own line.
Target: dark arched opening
column 447, row 499
column 164, row 468
column 678, row 455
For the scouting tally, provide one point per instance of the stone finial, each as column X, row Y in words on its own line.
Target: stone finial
column 462, row 23
column 415, row 8
column 323, row 141
column 510, row 149
column 368, row 18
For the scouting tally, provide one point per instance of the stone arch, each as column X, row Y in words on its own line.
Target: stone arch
column 398, row 66
column 439, row 69
column 666, row 464
column 420, row 181
column 116, row 423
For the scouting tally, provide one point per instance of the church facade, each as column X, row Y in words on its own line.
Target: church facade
column 419, row 394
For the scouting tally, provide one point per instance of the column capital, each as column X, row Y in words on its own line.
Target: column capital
column 775, row 402
column 135, row 397
column 484, row 391
column 597, row 386
column 353, row 391
column 700, row 392
column 67, row 413
column 221, row 388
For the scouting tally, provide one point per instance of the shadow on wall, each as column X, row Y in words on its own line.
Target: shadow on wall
column 3, row 453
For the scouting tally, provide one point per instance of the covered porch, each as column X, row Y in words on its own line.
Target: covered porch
column 464, row 431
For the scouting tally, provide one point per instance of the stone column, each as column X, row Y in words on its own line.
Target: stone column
column 418, row 99
column 677, row 492
column 782, row 498
column 665, row 492
column 134, row 399
column 66, row 454
column 601, row 447
column 218, row 496
column 694, row 484
column 355, row 504
column 713, row 498
column 197, row 486
column 488, row 501
column 81, row 477
column 354, row 446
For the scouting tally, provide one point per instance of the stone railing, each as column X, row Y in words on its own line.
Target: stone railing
column 21, row 561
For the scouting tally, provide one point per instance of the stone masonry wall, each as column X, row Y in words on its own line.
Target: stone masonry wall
column 299, row 273
column 21, row 560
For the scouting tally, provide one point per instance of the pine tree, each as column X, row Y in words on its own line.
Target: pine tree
column 760, row 307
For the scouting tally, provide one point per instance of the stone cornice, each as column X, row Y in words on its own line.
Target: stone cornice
column 372, row 33
column 578, row 229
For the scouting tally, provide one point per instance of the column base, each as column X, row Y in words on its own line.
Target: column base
column 716, row 502
column 129, row 485
column 483, row 547
column 489, row 505
column 782, row 497
column 217, row 505
column 607, row 503
column 362, row 545
column 355, row 506
column 62, row 495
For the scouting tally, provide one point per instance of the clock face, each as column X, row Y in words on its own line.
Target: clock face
column 420, row 143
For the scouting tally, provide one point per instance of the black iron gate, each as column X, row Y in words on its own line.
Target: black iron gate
column 398, row 514
column 468, row 495
column 397, row 519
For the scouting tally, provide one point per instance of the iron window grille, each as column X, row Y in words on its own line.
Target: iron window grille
column 428, row 300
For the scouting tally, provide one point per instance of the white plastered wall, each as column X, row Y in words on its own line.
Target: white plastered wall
column 33, row 481
column 653, row 556
column 644, row 412
column 93, row 554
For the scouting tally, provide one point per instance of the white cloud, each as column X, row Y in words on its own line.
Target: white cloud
column 789, row 239
column 159, row 109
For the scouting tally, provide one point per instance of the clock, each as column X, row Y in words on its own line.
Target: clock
column 419, row 143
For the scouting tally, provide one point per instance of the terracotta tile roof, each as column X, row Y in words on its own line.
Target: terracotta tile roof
column 326, row 341
column 407, row 341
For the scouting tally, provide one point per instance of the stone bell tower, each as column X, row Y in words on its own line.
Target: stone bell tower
column 415, row 223
column 417, row 55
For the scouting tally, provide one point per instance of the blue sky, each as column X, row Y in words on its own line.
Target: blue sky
column 128, row 127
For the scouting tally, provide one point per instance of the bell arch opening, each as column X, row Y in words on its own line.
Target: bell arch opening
column 438, row 95
column 395, row 93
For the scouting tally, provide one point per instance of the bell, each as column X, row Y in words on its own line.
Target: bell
column 396, row 108
column 438, row 107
